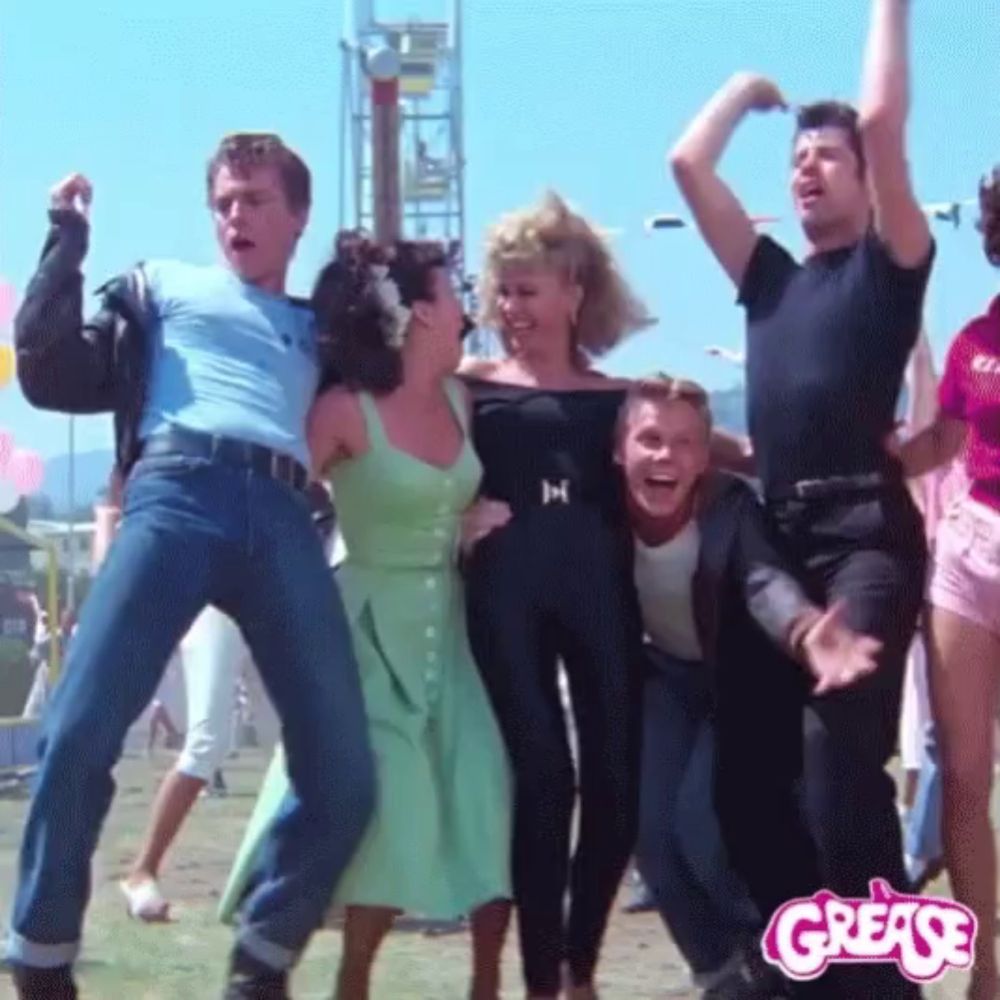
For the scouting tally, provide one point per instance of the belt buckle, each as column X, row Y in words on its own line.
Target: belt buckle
column 555, row 492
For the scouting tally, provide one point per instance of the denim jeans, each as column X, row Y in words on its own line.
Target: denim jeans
column 196, row 532
column 680, row 852
column 922, row 830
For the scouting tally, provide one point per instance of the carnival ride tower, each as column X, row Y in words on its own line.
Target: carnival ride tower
column 402, row 160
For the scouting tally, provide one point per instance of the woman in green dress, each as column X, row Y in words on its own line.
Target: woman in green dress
column 393, row 437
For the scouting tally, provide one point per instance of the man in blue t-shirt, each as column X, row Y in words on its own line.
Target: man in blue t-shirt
column 210, row 373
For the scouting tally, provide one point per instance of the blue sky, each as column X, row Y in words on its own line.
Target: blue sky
column 584, row 96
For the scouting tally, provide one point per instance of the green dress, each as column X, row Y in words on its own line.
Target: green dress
column 439, row 842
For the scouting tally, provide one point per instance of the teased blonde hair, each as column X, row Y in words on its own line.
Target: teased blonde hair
column 553, row 236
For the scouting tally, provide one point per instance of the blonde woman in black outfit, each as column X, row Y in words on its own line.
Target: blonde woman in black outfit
column 553, row 582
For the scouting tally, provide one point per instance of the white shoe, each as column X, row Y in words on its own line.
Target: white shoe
column 145, row 902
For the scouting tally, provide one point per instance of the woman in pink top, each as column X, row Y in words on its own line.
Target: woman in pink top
column 964, row 640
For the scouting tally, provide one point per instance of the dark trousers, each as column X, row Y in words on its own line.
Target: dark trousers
column 194, row 533
column 759, row 696
column 867, row 551
column 528, row 609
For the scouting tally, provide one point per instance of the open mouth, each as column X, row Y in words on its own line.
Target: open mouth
column 810, row 193
column 661, row 486
column 240, row 244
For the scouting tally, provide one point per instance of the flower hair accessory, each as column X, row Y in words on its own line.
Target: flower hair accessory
column 387, row 292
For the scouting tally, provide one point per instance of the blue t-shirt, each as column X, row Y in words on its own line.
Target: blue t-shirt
column 228, row 358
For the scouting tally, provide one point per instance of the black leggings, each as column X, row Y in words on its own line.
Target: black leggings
column 526, row 613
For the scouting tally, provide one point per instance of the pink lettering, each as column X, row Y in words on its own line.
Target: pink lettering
column 923, row 936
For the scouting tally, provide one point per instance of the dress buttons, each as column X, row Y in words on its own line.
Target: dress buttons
column 432, row 657
column 430, row 583
column 440, row 533
column 430, row 632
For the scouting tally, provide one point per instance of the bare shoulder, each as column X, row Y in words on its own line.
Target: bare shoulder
column 593, row 379
column 464, row 392
column 478, row 367
column 615, row 382
column 336, row 405
column 337, row 425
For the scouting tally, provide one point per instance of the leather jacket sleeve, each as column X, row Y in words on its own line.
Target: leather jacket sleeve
column 774, row 597
column 63, row 363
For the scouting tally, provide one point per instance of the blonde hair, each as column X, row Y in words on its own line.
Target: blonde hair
column 553, row 236
column 663, row 388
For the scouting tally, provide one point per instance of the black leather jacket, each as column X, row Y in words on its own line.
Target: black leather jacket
column 99, row 365
column 747, row 600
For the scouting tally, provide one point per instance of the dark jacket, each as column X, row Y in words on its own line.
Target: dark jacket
column 72, row 366
column 99, row 365
column 746, row 598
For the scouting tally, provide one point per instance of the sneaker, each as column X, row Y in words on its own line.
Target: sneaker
column 641, row 899
column 216, row 788
column 753, row 979
column 33, row 983
column 252, row 980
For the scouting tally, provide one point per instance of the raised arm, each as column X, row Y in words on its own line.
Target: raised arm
column 720, row 217
column 884, row 106
column 63, row 364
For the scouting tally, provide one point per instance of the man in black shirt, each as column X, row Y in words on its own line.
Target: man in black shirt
column 827, row 343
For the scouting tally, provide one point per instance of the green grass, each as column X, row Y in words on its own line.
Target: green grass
column 185, row 960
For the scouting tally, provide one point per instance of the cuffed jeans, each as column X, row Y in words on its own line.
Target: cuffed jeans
column 680, row 852
column 197, row 532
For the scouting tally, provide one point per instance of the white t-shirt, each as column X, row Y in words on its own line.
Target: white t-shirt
column 663, row 576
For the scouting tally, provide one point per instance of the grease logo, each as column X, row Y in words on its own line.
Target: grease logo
column 923, row 935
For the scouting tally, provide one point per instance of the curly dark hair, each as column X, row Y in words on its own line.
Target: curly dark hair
column 989, row 215
column 354, row 325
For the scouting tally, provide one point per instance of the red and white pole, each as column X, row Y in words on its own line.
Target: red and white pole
column 383, row 70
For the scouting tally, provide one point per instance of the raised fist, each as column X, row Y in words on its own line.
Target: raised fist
column 73, row 193
column 762, row 94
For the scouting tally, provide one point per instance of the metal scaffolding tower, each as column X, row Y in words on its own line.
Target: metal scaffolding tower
column 402, row 161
